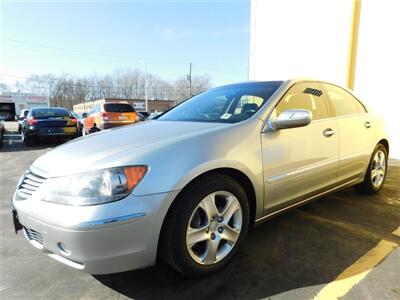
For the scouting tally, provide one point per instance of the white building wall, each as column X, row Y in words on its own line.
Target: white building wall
column 310, row 38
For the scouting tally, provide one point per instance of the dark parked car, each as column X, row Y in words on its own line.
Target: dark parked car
column 21, row 118
column 143, row 115
column 1, row 131
column 48, row 122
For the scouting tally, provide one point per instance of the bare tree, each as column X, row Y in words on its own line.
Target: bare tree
column 66, row 90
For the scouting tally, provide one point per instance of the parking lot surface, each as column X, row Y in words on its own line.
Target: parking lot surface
column 344, row 245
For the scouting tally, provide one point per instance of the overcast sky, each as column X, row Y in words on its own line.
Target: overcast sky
column 88, row 38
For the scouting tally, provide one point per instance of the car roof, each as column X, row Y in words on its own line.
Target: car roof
column 51, row 107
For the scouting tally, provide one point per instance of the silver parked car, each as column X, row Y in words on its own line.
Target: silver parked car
column 188, row 185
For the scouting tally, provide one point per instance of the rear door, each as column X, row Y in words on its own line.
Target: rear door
column 90, row 119
column 355, row 129
column 300, row 162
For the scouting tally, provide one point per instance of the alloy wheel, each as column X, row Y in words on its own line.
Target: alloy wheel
column 214, row 227
column 378, row 168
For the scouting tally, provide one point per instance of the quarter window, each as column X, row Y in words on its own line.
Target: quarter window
column 303, row 96
column 343, row 102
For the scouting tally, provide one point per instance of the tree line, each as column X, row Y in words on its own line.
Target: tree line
column 66, row 90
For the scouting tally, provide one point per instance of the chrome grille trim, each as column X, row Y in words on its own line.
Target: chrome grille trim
column 33, row 235
column 29, row 184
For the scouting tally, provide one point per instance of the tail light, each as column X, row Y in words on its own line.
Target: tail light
column 32, row 121
column 104, row 116
column 74, row 120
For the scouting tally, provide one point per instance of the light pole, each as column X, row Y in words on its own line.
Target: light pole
column 190, row 80
column 145, row 87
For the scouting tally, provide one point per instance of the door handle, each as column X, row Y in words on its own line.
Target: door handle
column 367, row 124
column 328, row 132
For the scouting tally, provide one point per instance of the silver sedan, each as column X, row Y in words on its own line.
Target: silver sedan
column 188, row 185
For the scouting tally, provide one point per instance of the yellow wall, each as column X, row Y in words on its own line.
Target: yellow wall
column 310, row 38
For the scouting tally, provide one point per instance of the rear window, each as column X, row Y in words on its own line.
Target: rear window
column 118, row 107
column 44, row 113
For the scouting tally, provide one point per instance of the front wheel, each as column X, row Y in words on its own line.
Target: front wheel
column 205, row 226
column 376, row 173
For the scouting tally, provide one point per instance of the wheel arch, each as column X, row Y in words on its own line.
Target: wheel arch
column 237, row 175
column 385, row 143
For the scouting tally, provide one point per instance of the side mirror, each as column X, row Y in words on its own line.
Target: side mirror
column 84, row 115
column 291, row 118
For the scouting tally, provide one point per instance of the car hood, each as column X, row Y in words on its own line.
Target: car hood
column 116, row 147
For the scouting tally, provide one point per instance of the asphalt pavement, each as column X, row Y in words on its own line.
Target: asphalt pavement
column 344, row 245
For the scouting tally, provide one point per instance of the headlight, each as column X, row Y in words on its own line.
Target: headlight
column 92, row 188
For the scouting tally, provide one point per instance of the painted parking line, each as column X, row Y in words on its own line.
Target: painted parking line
column 397, row 231
column 356, row 272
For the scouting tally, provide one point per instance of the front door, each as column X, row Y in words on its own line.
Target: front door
column 300, row 162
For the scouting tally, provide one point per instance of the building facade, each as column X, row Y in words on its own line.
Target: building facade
column 13, row 103
column 311, row 38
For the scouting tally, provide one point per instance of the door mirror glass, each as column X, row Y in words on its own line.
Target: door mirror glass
column 291, row 118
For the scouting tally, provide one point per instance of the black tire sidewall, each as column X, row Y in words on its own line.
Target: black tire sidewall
column 188, row 202
column 28, row 140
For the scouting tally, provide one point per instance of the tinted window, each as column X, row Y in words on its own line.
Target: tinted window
column 226, row 104
column 144, row 114
column 304, row 96
column 44, row 113
column 118, row 107
column 343, row 102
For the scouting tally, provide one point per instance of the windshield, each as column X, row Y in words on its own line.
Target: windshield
column 45, row 113
column 227, row 104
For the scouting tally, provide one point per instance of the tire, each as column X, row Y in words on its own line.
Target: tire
column 371, row 183
column 28, row 140
column 189, row 209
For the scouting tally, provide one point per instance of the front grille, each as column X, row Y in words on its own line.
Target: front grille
column 29, row 185
column 33, row 235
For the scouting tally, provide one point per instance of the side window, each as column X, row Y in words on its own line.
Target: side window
column 343, row 102
column 303, row 96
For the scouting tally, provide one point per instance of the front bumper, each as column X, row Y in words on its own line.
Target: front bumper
column 100, row 239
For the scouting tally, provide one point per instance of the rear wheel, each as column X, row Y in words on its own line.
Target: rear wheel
column 376, row 173
column 205, row 226
column 28, row 140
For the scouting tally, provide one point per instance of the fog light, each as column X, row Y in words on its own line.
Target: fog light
column 63, row 249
